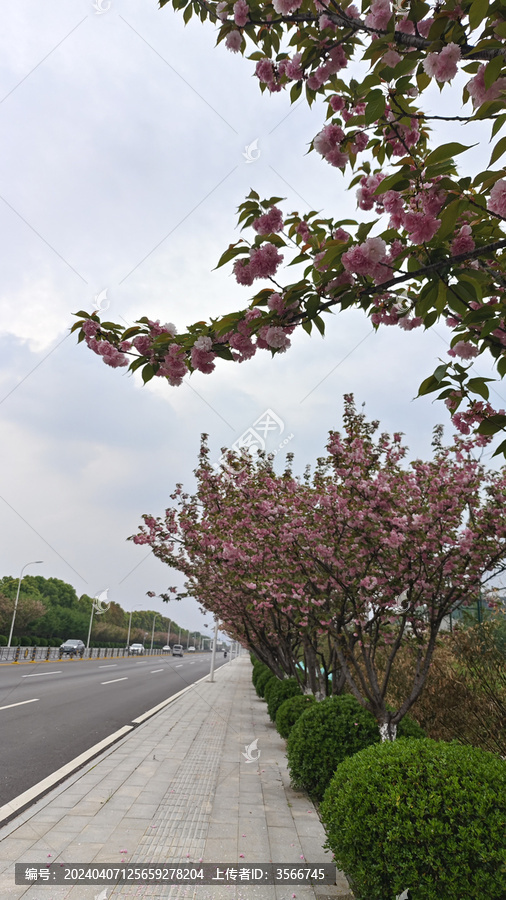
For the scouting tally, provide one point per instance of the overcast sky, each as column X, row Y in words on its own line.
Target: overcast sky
column 123, row 160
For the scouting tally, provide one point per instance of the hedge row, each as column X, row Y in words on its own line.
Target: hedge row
column 413, row 815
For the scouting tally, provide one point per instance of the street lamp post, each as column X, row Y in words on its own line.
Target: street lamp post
column 168, row 634
column 213, row 656
column 153, row 630
column 129, row 628
column 36, row 562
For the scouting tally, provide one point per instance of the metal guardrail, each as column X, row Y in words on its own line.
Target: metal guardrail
column 36, row 654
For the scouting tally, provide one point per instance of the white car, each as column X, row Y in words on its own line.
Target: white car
column 136, row 648
column 191, row 650
column 177, row 650
column 166, row 649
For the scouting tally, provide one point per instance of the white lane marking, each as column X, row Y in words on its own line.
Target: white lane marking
column 39, row 674
column 192, row 664
column 140, row 663
column 155, row 670
column 125, row 678
column 109, row 666
column 21, row 702
column 179, row 666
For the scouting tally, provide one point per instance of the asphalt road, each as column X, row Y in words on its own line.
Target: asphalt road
column 50, row 712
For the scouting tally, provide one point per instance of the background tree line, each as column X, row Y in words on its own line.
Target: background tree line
column 49, row 612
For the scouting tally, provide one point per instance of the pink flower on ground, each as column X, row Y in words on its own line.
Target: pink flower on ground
column 270, row 223
column 463, row 242
column 241, row 13
column 233, row 41
column 443, row 66
column 464, row 350
column 497, row 199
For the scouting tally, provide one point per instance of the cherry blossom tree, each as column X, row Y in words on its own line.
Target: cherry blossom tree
column 347, row 564
column 434, row 247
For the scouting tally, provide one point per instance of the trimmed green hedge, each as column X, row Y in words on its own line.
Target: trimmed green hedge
column 262, row 680
column 327, row 733
column 290, row 711
column 279, row 692
column 323, row 736
column 422, row 815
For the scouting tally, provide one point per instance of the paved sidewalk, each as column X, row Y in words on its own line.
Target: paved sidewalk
column 177, row 789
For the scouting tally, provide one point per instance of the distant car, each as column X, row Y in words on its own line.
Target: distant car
column 72, row 648
column 177, row 650
column 191, row 649
column 166, row 649
column 136, row 648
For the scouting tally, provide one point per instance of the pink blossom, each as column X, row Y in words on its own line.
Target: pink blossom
column 241, row 13
column 337, row 103
column 303, row 230
column 275, row 337
column 443, row 66
column 464, row 349
column 420, row 226
column 391, row 58
column 463, row 242
column 293, row 68
column 264, row 70
column 337, row 60
column 284, row 7
column 143, row 344
column 379, row 15
column 276, row 303
column 425, row 26
column 479, row 93
column 407, row 323
column 497, row 198
column 174, row 366
column 243, row 345
column 242, row 271
column 90, row 328
column 233, row 41
column 221, row 11
column 110, row 355
column 270, row 222
column 328, row 138
column 352, row 12
column 265, row 261
column 367, row 259
column 365, row 195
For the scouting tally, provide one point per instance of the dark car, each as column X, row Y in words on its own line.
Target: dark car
column 72, row 648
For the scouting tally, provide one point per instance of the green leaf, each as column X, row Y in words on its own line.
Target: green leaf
column 477, row 12
column 307, row 326
column 446, row 151
column 498, row 150
column 295, row 91
column 492, row 70
column 375, row 106
column 320, row 324
column 232, row 252
column 478, row 386
column 492, row 424
column 502, row 447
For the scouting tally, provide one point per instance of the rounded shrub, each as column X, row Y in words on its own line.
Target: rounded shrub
column 272, row 682
column 422, row 815
column 258, row 670
column 3, row 640
column 279, row 692
column 325, row 734
column 290, row 710
column 262, row 681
